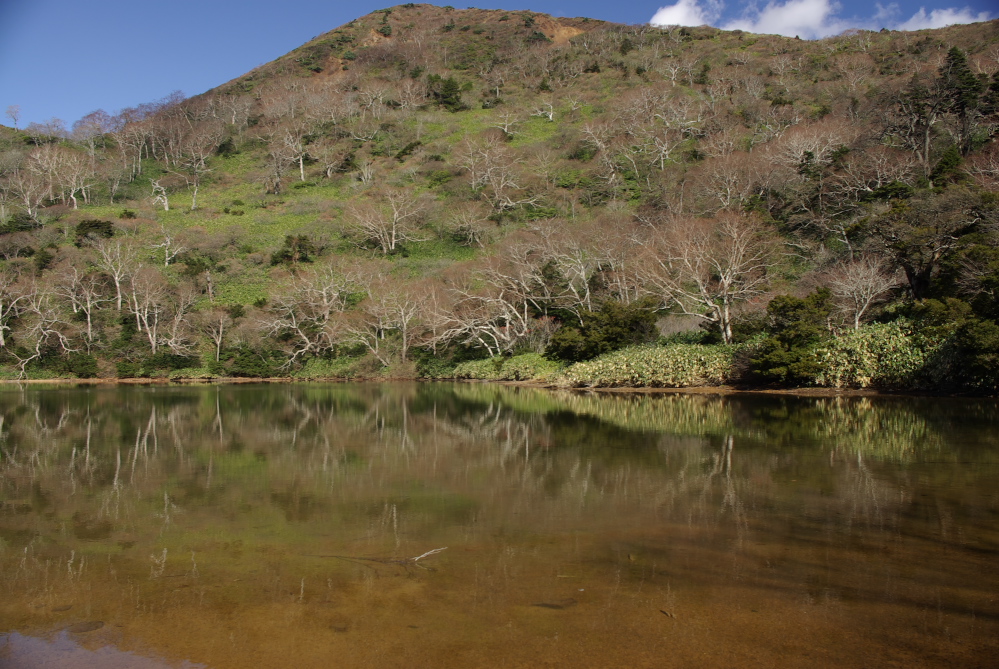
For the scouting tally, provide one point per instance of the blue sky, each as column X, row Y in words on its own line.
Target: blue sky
column 66, row 58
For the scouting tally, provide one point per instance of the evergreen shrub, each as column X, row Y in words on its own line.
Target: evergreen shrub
column 881, row 355
column 673, row 366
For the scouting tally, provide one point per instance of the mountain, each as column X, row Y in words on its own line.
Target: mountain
column 428, row 183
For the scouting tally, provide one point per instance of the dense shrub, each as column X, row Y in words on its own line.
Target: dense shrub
column 875, row 356
column 977, row 344
column 526, row 367
column 78, row 364
column 612, row 326
column 166, row 361
column 441, row 364
column 795, row 327
column 126, row 369
column 83, row 365
column 432, row 367
column 93, row 229
column 673, row 366
column 251, row 364
column 446, row 92
column 488, row 369
column 19, row 222
column 296, row 249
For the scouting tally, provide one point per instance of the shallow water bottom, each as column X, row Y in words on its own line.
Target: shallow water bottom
column 676, row 597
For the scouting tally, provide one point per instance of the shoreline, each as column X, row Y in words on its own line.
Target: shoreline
column 629, row 390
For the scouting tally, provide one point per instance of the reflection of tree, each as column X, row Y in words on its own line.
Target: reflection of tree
column 883, row 430
column 252, row 446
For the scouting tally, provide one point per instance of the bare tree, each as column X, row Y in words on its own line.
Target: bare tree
column 279, row 157
column 331, row 154
column 28, row 188
column 149, row 303
column 390, row 305
column 493, row 305
column 306, row 308
column 76, row 175
column 40, row 325
column 91, row 129
column 295, row 142
column 860, row 283
column 507, row 121
column 42, row 132
column 119, row 258
column 177, row 331
column 84, row 291
column 389, row 221
column 571, row 254
column 114, row 171
column 12, row 302
column 705, row 267
column 14, row 114
column 45, row 162
column 493, row 171
column 171, row 248
column 854, row 68
column 216, row 324
column 470, row 224
column 160, row 195
column 196, row 148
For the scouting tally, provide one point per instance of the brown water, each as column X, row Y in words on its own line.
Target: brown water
column 278, row 526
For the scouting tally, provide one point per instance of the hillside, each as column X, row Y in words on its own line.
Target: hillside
column 425, row 186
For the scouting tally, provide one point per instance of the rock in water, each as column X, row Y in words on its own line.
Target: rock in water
column 88, row 626
column 558, row 604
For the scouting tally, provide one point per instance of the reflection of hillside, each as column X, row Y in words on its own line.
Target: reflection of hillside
column 310, row 451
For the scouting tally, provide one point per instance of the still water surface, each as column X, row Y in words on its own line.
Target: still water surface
column 277, row 526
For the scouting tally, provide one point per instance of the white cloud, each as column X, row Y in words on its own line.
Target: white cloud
column 938, row 18
column 809, row 19
column 688, row 13
column 805, row 18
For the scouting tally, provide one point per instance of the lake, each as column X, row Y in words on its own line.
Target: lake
column 457, row 525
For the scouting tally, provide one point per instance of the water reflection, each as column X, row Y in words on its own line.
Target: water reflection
column 276, row 525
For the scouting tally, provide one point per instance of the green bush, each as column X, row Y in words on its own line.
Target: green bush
column 83, row 365
column 19, row 222
column 488, row 369
column 613, row 326
column 78, row 364
column 446, row 92
column 168, row 362
column 883, row 355
column 673, row 366
column 296, row 249
column 251, row 364
column 977, row 343
column 93, row 229
column 126, row 369
column 433, row 367
column 528, row 366
column 796, row 327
